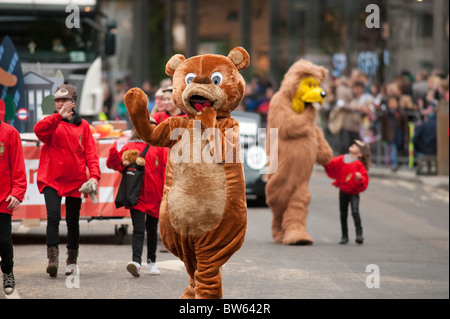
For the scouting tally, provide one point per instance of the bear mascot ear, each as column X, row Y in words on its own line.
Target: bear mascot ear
column 240, row 58
column 174, row 63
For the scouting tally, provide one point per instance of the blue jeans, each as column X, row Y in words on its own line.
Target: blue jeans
column 391, row 153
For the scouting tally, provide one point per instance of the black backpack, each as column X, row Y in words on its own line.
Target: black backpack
column 131, row 183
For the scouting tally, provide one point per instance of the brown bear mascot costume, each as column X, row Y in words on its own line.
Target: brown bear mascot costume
column 301, row 144
column 203, row 214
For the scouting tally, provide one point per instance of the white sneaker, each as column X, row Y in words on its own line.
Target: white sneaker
column 153, row 269
column 134, row 268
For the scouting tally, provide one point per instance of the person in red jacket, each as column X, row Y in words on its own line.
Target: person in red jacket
column 350, row 172
column 13, row 185
column 69, row 148
column 145, row 215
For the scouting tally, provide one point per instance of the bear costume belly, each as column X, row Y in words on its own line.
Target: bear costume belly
column 197, row 196
column 205, row 184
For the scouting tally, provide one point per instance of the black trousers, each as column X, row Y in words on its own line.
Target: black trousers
column 6, row 244
column 344, row 201
column 143, row 222
column 73, row 206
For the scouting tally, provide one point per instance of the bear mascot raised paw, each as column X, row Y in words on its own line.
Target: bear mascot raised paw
column 301, row 144
column 203, row 214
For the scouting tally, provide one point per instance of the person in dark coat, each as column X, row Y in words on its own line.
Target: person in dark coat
column 425, row 136
column 394, row 131
column 425, row 141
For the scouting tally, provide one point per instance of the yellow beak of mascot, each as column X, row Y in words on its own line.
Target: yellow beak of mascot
column 308, row 92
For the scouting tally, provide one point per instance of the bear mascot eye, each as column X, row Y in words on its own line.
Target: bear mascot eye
column 216, row 78
column 189, row 78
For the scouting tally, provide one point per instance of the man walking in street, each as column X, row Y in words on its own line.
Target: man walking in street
column 13, row 185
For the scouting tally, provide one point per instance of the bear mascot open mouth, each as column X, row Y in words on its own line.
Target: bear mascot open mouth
column 200, row 102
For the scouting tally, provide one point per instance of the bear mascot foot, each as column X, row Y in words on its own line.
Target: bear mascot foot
column 189, row 293
column 296, row 237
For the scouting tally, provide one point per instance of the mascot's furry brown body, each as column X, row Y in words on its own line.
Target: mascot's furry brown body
column 203, row 214
column 301, row 144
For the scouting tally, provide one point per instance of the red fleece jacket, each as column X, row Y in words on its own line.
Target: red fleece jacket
column 344, row 175
column 68, row 150
column 13, row 177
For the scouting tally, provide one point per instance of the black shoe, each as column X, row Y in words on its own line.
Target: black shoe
column 9, row 283
column 359, row 239
column 344, row 240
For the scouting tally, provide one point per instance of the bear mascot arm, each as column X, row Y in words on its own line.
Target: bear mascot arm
column 156, row 135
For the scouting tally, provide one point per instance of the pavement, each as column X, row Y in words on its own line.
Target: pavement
column 405, row 256
column 410, row 175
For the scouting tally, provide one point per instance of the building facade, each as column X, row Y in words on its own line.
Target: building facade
column 380, row 37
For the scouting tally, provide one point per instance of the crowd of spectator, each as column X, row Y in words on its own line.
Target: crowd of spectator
column 398, row 119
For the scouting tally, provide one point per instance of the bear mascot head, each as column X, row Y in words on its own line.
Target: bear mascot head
column 208, row 81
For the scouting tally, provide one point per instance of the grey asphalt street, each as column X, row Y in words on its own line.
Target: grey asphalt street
column 405, row 254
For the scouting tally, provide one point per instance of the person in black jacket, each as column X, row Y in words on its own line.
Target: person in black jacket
column 425, row 140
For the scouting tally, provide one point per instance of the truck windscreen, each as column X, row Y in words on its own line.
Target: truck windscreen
column 48, row 39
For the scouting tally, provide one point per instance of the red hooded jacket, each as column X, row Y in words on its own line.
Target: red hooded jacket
column 13, row 177
column 68, row 149
column 344, row 175
column 154, row 177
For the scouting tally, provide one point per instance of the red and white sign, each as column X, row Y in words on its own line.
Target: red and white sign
column 33, row 205
column 22, row 114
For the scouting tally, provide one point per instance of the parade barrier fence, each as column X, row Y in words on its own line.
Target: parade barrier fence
column 33, row 205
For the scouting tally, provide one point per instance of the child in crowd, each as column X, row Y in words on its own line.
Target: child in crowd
column 13, row 185
column 145, row 215
column 351, row 177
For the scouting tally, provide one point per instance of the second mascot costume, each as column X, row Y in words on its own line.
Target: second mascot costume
column 203, row 214
column 301, row 144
